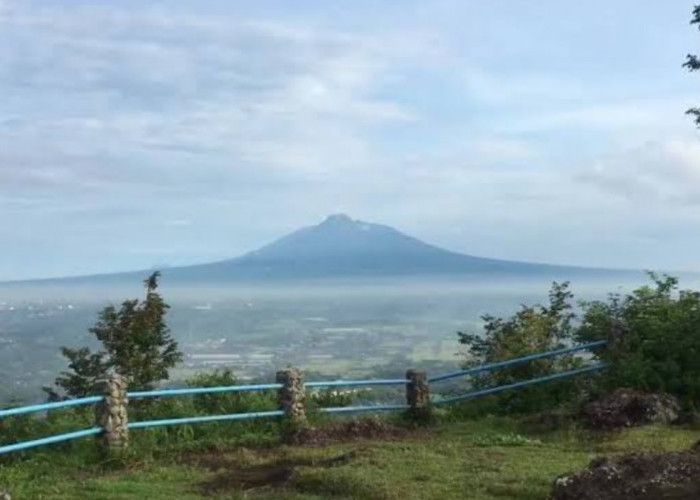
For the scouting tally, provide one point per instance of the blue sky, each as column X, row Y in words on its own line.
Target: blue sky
column 138, row 134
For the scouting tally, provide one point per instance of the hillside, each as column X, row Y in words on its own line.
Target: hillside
column 479, row 460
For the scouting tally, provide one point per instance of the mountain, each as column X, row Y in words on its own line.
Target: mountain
column 340, row 247
column 343, row 247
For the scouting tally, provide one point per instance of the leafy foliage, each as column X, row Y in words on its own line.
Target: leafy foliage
column 228, row 402
column 136, row 343
column 532, row 329
column 156, row 440
column 654, row 335
column 693, row 63
column 331, row 398
column 86, row 368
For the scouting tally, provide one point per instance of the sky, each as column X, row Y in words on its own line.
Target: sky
column 138, row 134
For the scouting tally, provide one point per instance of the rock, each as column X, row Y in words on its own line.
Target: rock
column 4, row 495
column 696, row 447
column 627, row 407
column 634, row 477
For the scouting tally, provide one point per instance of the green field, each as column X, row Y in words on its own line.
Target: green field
column 491, row 458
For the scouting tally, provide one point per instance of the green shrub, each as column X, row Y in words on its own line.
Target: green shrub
column 228, row 402
column 215, row 433
column 330, row 398
column 531, row 330
column 654, row 339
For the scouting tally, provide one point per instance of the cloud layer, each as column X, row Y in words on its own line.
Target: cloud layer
column 134, row 135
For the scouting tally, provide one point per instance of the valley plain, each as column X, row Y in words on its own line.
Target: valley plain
column 339, row 328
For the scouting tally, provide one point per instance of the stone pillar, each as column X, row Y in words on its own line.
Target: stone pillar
column 418, row 394
column 111, row 414
column 292, row 397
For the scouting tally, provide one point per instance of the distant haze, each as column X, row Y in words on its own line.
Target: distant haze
column 343, row 297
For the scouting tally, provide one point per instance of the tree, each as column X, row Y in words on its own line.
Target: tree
column 530, row 330
column 693, row 64
column 86, row 369
column 136, row 343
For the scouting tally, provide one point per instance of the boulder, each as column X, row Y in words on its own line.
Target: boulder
column 628, row 407
column 634, row 477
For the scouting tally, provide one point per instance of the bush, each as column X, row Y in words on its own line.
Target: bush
column 158, row 441
column 330, row 398
column 654, row 339
column 215, row 433
column 28, row 427
column 531, row 330
column 228, row 402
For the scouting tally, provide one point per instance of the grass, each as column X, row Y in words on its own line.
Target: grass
column 486, row 459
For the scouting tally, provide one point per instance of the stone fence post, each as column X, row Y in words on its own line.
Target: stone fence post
column 111, row 414
column 292, row 397
column 418, row 394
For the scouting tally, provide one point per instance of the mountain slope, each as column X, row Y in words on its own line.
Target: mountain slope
column 341, row 247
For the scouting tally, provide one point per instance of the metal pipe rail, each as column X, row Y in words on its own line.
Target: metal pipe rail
column 359, row 409
column 350, row 383
column 22, row 410
column 515, row 385
column 517, row 361
column 50, row 440
column 210, row 418
column 10, row 412
column 200, row 390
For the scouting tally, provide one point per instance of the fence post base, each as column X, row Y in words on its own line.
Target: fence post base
column 292, row 399
column 418, row 395
column 112, row 416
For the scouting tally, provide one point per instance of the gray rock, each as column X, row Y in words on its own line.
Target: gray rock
column 634, row 477
column 628, row 407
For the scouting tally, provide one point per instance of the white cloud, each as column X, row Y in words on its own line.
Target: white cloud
column 124, row 119
column 666, row 171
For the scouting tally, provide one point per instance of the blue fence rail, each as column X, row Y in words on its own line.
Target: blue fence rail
column 96, row 431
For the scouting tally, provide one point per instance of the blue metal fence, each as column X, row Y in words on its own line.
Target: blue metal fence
column 94, row 431
column 518, row 361
column 517, row 385
column 25, row 410
column 201, row 390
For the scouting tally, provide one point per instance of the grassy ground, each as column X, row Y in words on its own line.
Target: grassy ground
column 491, row 458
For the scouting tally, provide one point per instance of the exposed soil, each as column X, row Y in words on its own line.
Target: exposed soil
column 273, row 475
column 656, row 476
column 348, row 430
column 234, row 471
